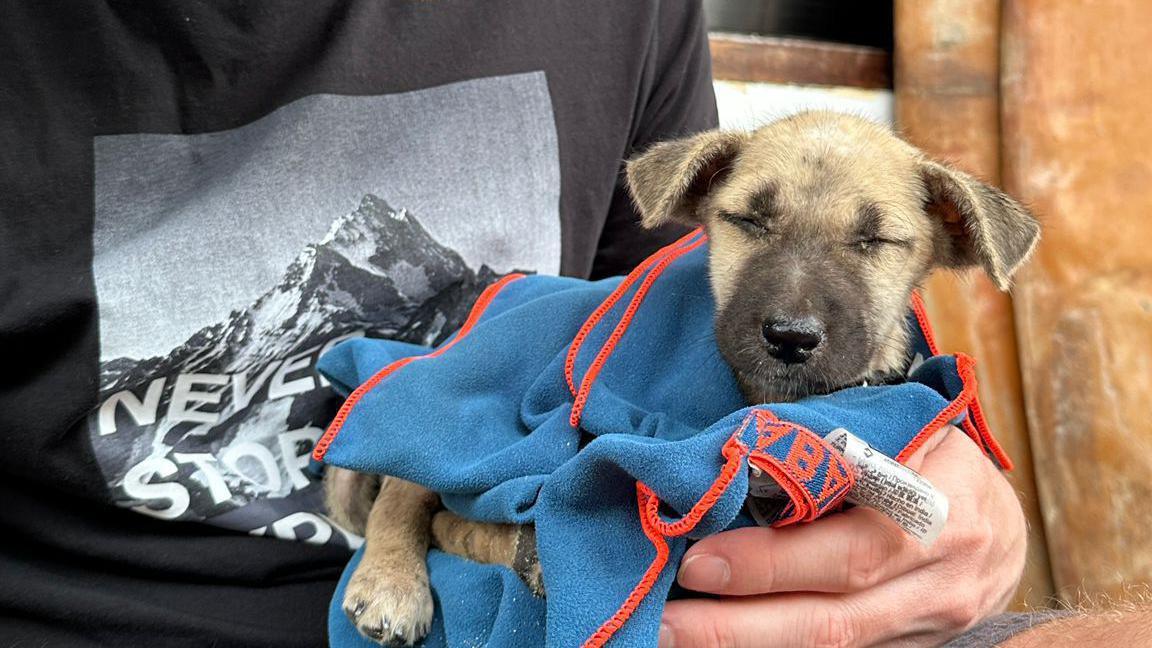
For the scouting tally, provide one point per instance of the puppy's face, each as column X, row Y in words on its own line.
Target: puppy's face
column 820, row 227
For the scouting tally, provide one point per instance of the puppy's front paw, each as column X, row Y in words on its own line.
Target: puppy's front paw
column 391, row 607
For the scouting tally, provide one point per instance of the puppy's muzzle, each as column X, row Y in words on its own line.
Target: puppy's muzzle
column 793, row 341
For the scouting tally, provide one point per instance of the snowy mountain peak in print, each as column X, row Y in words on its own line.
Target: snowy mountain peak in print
column 220, row 428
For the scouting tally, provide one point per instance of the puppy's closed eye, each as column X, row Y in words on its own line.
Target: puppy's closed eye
column 872, row 245
column 751, row 224
column 871, row 236
column 759, row 217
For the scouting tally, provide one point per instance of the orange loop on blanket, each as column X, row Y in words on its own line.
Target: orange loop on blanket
column 657, row 530
column 967, row 399
column 481, row 305
column 625, row 321
column 610, row 301
column 802, row 506
column 975, row 426
column 921, row 313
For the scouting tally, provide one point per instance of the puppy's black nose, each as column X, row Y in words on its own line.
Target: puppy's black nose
column 793, row 341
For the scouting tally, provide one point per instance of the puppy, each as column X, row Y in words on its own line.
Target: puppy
column 820, row 227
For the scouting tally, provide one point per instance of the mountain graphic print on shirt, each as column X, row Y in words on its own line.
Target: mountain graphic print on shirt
column 331, row 218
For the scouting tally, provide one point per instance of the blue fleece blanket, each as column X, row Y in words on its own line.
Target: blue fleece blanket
column 603, row 413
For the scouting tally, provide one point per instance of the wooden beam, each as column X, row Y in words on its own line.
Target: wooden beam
column 948, row 103
column 764, row 59
column 1076, row 133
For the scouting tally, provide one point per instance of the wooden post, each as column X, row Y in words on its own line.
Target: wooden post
column 1077, row 137
column 947, row 72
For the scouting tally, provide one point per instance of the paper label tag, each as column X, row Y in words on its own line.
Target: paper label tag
column 886, row 485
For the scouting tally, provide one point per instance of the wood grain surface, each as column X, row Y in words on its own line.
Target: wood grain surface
column 766, row 59
column 948, row 103
column 1076, row 131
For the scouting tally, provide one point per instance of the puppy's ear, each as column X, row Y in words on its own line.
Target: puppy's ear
column 668, row 180
column 983, row 225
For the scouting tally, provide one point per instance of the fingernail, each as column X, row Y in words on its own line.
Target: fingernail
column 705, row 572
column 666, row 638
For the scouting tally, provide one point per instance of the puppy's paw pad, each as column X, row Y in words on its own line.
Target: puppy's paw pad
column 390, row 609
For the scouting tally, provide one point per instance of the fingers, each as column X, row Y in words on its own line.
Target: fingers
column 846, row 552
column 910, row 612
column 916, row 461
column 769, row 621
column 861, row 548
column 855, row 578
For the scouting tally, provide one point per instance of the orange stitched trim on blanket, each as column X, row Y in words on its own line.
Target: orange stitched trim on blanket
column 921, row 313
column 478, row 309
column 609, row 628
column 607, row 304
column 657, row 530
column 622, row 326
column 976, row 426
column 966, row 367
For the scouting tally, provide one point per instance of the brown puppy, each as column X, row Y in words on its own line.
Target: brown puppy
column 820, row 225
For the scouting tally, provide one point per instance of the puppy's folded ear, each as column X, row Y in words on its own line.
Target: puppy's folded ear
column 983, row 225
column 668, row 180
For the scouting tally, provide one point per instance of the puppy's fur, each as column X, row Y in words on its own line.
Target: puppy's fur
column 820, row 226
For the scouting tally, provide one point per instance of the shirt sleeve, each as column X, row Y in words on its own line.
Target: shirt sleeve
column 676, row 99
column 995, row 630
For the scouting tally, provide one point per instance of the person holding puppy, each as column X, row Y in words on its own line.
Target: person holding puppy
column 201, row 199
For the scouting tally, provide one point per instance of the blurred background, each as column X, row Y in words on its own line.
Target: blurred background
column 1051, row 101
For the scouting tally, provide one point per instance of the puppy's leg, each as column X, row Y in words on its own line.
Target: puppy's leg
column 388, row 598
column 510, row 545
column 348, row 496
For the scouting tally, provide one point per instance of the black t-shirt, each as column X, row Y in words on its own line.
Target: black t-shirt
column 198, row 198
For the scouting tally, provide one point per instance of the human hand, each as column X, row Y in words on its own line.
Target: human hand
column 855, row 578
